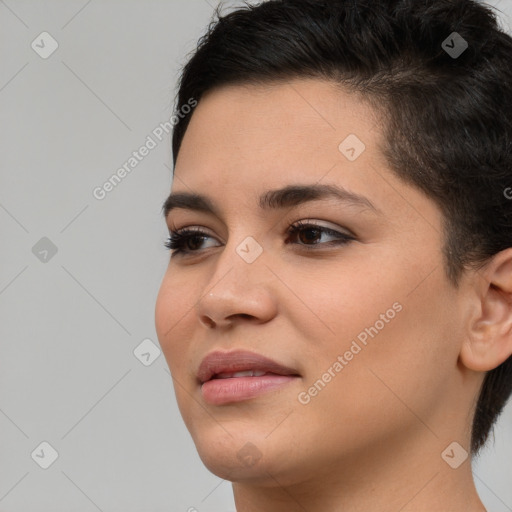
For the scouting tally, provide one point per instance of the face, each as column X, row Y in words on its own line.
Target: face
column 347, row 291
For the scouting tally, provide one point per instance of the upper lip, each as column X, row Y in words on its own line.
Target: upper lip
column 237, row 361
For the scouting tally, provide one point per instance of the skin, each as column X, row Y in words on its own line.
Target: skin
column 372, row 438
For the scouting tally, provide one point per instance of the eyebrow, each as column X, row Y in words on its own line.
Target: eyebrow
column 287, row 197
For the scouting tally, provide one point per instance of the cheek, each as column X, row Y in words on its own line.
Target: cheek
column 172, row 309
column 393, row 344
column 380, row 390
column 340, row 305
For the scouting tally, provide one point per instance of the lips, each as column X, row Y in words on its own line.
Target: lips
column 232, row 377
column 222, row 365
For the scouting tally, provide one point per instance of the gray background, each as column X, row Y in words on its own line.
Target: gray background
column 70, row 321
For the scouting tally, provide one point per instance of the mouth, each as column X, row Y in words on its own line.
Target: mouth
column 244, row 373
column 227, row 377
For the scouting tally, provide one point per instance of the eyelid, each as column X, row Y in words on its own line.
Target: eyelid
column 324, row 224
column 201, row 230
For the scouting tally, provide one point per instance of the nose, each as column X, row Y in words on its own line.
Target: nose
column 237, row 292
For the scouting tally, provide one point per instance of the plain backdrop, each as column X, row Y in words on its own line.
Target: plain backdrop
column 88, row 418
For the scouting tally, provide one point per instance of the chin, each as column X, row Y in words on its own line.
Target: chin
column 249, row 457
column 233, row 460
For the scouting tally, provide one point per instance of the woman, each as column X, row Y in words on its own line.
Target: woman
column 337, row 310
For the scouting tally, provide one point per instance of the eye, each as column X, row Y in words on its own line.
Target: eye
column 187, row 241
column 184, row 240
column 309, row 233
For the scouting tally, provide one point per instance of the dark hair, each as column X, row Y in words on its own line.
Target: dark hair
column 447, row 119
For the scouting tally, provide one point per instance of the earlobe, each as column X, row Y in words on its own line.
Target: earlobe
column 489, row 339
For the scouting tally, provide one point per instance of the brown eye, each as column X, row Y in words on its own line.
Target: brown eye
column 186, row 241
column 309, row 234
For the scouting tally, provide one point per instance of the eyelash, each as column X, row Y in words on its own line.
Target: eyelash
column 178, row 239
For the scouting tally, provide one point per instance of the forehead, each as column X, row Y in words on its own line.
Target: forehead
column 276, row 130
column 295, row 110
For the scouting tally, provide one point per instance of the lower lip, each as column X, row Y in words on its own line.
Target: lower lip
column 237, row 389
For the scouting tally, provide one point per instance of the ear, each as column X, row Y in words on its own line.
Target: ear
column 489, row 339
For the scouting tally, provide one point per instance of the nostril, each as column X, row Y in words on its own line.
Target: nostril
column 208, row 321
